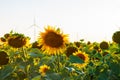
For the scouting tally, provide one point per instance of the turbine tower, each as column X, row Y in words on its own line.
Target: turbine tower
column 35, row 26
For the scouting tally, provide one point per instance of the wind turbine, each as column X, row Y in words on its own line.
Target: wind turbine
column 34, row 25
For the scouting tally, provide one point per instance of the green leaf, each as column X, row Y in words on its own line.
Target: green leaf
column 45, row 60
column 102, row 72
column 75, row 59
column 53, row 76
column 103, row 76
column 115, row 68
column 98, row 55
column 34, row 55
column 36, row 77
column 6, row 72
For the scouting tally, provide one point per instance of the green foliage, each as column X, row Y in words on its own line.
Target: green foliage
column 6, row 71
column 24, row 63
column 76, row 59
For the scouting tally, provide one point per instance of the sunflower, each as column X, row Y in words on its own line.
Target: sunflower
column 70, row 50
column 77, row 44
column 104, row 45
column 17, row 40
column 3, row 42
column 96, row 47
column 88, row 43
column 53, row 41
column 84, row 57
column 2, row 39
column 7, row 35
column 43, row 69
column 36, row 45
column 3, row 58
column 36, row 61
column 116, row 37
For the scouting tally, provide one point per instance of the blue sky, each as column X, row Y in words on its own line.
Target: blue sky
column 92, row 20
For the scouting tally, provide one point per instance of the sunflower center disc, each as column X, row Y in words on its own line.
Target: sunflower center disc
column 53, row 40
column 81, row 56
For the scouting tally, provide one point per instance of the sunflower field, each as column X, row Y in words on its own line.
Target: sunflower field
column 54, row 57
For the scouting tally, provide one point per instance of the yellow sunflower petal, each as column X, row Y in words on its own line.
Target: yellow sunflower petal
column 43, row 69
column 84, row 57
column 53, row 41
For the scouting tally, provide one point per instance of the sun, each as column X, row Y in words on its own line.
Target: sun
column 84, row 57
column 53, row 41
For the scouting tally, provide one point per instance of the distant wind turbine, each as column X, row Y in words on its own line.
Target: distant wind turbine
column 35, row 26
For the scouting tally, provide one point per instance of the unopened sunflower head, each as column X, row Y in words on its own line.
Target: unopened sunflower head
column 53, row 41
column 43, row 69
column 83, row 56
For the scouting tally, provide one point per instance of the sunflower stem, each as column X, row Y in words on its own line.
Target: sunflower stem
column 119, row 46
column 27, row 66
column 58, row 63
column 24, row 54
